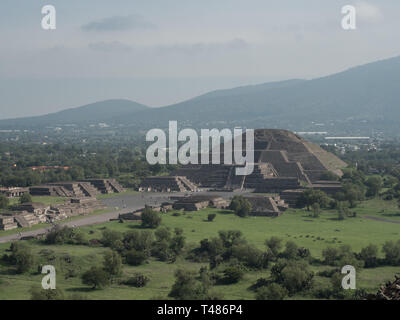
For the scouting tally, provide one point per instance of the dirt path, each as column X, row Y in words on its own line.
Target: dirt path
column 381, row 219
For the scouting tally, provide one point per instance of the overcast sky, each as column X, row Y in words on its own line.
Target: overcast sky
column 158, row 52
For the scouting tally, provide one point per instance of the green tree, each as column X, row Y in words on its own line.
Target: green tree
column 4, row 201
column 138, row 280
column 139, row 240
column 291, row 250
column 96, row 277
column 369, row 255
column 311, row 196
column 21, row 257
column 274, row 244
column 232, row 274
column 240, row 206
column 112, row 263
column 330, row 255
column 111, row 238
column 25, row 198
column 135, row 258
column 150, row 218
column 250, row 255
column 272, row 291
column 293, row 275
column 316, row 209
column 186, row 287
column 391, row 250
column 177, row 243
column 374, row 185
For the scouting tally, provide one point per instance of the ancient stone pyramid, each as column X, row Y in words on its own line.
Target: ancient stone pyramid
column 282, row 160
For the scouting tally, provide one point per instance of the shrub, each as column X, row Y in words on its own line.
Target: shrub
column 138, row 280
column 391, row 250
column 135, row 258
column 291, row 250
column 95, row 277
column 138, row 240
column 177, row 243
column 240, row 206
column 42, row 294
column 211, row 216
column 369, row 255
column 4, row 201
column 311, row 196
column 232, row 275
column 25, row 198
column 292, row 275
column 186, row 287
column 21, row 257
column 63, row 235
column 111, row 238
column 272, row 291
column 150, row 218
column 316, row 210
column 112, row 263
column 250, row 256
column 274, row 244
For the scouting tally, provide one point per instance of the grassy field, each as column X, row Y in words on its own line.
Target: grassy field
column 313, row 233
column 48, row 200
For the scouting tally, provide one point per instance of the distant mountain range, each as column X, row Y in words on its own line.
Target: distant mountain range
column 361, row 98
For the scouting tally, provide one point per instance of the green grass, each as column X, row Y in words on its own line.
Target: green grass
column 294, row 225
column 313, row 233
column 379, row 208
column 48, row 200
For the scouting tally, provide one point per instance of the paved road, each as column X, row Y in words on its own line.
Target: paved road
column 122, row 204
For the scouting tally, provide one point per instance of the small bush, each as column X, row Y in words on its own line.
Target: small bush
column 150, row 218
column 232, row 275
column 211, row 217
column 95, row 277
column 138, row 280
column 272, row 291
column 135, row 258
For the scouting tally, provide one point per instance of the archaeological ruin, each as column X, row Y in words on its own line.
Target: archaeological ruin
column 282, row 160
column 268, row 206
column 29, row 214
column 86, row 188
column 198, row 202
column 13, row 192
column 167, row 184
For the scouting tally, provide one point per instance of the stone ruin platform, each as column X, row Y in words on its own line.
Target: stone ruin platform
column 86, row 188
column 167, row 184
column 195, row 203
column 269, row 206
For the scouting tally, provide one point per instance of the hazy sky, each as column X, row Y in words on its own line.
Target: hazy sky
column 159, row 52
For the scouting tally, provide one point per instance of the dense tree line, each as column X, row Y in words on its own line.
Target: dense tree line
column 127, row 164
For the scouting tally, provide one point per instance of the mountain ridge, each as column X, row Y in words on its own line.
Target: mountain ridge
column 365, row 96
